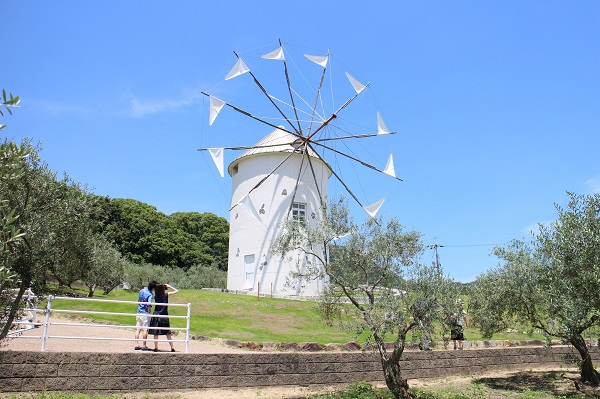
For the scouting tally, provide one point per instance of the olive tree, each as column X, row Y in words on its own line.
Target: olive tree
column 551, row 283
column 375, row 266
column 53, row 216
column 106, row 269
column 12, row 166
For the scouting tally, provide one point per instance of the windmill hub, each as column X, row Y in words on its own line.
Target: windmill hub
column 300, row 144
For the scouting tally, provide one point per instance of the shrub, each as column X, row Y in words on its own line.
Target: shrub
column 198, row 277
column 138, row 276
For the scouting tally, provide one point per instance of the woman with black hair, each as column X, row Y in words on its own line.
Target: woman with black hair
column 162, row 292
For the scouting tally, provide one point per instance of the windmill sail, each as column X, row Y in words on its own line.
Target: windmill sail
column 217, row 156
column 381, row 127
column 318, row 59
column 238, row 69
column 374, row 208
column 358, row 87
column 336, row 238
column 246, row 204
column 275, row 55
column 389, row 168
column 215, row 107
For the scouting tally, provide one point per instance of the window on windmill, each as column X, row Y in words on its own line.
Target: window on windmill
column 299, row 211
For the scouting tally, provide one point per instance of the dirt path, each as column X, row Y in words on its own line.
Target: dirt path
column 31, row 340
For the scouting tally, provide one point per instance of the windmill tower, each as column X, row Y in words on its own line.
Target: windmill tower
column 286, row 173
column 298, row 185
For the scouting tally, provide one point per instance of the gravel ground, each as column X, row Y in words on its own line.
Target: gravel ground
column 96, row 340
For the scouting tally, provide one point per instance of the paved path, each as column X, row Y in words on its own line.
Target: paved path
column 34, row 343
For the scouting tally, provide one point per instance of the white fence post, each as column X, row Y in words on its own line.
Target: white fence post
column 187, row 330
column 48, row 311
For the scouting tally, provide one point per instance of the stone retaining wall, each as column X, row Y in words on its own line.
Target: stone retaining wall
column 104, row 372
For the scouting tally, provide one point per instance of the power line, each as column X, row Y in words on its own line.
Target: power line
column 473, row 245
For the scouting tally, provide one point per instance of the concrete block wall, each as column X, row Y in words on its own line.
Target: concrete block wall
column 107, row 372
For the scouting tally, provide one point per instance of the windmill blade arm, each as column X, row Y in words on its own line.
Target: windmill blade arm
column 358, row 136
column 297, row 182
column 248, row 114
column 312, row 170
column 267, row 176
column 337, row 177
column 351, row 193
column 274, row 104
column 312, row 117
column 289, row 85
column 240, row 148
column 352, row 99
column 334, row 115
column 262, row 88
column 354, row 159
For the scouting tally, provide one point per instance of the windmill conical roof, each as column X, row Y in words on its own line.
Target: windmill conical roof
column 276, row 141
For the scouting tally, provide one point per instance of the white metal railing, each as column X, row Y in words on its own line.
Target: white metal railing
column 51, row 308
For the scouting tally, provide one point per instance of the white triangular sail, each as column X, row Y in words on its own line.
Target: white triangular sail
column 217, row 156
column 215, row 108
column 389, row 168
column 246, row 204
column 343, row 235
column 275, row 55
column 358, row 87
column 318, row 59
column 381, row 127
column 374, row 208
column 238, row 69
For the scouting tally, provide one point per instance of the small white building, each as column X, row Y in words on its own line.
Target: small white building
column 257, row 214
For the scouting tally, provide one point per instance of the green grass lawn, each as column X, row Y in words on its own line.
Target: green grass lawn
column 229, row 316
column 246, row 318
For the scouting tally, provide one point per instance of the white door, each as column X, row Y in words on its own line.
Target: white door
column 249, row 267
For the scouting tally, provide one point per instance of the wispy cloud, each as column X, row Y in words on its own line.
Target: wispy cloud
column 140, row 108
column 594, row 184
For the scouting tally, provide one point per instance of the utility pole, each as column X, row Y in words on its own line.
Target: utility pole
column 437, row 256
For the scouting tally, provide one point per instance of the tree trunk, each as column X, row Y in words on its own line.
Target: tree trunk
column 91, row 291
column 14, row 308
column 393, row 378
column 588, row 373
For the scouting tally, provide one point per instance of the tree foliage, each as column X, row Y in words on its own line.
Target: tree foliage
column 8, row 103
column 196, row 277
column 210, row 230
column 45, row 224
column 375, row 267
column 107, row 267
column 184, row 239
column 54, row 216
column 551, row 283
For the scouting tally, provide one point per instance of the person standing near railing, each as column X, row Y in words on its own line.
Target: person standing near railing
column 142, row 320
column 162, row 294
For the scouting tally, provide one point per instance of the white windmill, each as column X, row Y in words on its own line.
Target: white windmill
column 286, row 174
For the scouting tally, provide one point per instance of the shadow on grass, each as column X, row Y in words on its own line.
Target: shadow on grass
column 557, row 383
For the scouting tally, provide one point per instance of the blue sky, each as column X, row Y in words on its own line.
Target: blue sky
column 496, row 103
